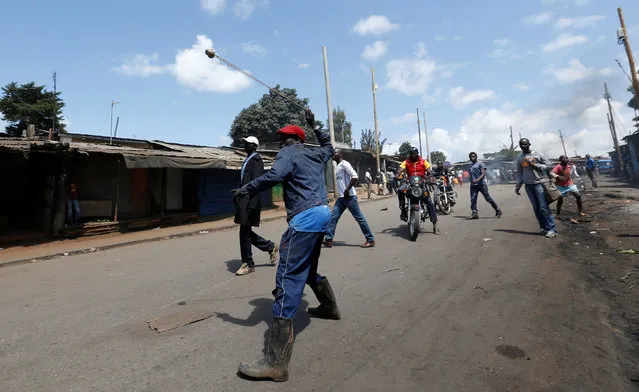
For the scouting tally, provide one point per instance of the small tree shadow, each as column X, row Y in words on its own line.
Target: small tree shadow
column 234, row 265
column 518, row 232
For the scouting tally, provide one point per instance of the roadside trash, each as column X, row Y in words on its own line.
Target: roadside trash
column 66, row 253
column 384, row 209
column 204, row 231
column 593, row 232
column 487, row 239
column 576, row 244
column 574, row 221
column 623, row 278
column 157, row 228
column 1, row 248
column 627, row 251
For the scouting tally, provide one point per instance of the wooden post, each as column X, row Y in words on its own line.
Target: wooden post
column 117, row 190
column 163, row 193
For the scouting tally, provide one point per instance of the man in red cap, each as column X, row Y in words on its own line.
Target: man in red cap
column 301, row 171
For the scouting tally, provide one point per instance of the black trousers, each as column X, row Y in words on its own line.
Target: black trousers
column 249, row 238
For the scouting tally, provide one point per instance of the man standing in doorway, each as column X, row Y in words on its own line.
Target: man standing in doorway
column 347, row 199
column 478, row 185
column 532, row 167
column 73, row 206
column 565, row 185
column 301, row 171
column 591, row 169
column 247, row 212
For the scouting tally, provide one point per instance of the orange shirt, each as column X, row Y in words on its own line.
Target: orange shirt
column 417, row 168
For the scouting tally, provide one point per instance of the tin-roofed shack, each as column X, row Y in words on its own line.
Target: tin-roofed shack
column 126, row 185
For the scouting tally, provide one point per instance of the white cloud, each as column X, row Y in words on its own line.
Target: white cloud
column 457, row 37
column 440, row 38
column 191, row 68
column 197, row 71
column 213, row 6
column 521, row 86
column 253, row 49
column 447, row 74
column 244, row 8
column 375, row 25
column 421, row 50
column 502, row 42
column 375, row 51
column 565, row 41
column 407, row 118
column 304, row 65
column 578, row 22
column 487, row 130
column 538, row 19
column 410, row 77
column 459, row 97
column 576, row 71
column 142, row 65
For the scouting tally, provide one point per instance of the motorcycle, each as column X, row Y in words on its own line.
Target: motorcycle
column 445, row 196
column 417, row 211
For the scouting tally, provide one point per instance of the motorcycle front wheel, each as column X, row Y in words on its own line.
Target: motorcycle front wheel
column 413, row 225
column 444, row 205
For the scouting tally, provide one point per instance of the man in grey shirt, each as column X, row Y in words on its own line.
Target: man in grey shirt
column 532, row 168
column 478, row 185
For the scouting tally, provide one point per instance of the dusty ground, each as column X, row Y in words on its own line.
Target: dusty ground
column 487, row 306
column 594, row 246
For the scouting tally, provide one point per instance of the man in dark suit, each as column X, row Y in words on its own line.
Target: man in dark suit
column 247, row 211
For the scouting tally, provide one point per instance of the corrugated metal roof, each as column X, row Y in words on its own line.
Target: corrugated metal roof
column 233, row 159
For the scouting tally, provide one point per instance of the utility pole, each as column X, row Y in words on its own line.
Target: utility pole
column 113, row 103
column 419, row 134
column 512, row 144
column 55, row 102
column 623, row 39
column 426, row 133
column 562, row 143
column 613, row 130
column 330, row 116
column 374, row 87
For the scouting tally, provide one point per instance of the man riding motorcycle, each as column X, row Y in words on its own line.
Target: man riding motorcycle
column 415, row 165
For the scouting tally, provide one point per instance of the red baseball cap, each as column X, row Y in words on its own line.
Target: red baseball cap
column 293, row 130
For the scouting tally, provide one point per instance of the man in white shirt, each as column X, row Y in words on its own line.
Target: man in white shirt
column 346, row 199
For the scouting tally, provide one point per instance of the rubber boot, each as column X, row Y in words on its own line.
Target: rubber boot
column 274, row 365
column 328, row 305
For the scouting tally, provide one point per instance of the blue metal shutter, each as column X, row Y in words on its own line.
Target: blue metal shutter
column 215, row 191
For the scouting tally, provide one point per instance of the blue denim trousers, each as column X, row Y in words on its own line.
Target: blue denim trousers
column 299, row 256
column 475, row 190
column 351, row 204
column 540, row 206
column 73, row 211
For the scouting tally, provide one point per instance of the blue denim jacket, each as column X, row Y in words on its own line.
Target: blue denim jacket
column 301, row 171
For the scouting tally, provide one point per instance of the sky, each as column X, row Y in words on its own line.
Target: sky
column 475, row 68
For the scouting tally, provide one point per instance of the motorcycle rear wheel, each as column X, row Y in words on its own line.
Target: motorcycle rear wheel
column 443, row 205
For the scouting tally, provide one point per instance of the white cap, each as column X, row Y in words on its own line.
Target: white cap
column 252, row 140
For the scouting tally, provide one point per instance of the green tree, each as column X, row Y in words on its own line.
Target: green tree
column 367, row 141
column 341, row 127
column 26, row 104
column 437, row 156
column 404, row 149
column 272, row 112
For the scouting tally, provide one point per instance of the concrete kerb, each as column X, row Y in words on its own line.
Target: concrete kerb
column 152, row 239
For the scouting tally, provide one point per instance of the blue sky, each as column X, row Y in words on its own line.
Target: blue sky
column 475, row 67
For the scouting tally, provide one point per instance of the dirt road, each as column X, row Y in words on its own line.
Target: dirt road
column 487, row 306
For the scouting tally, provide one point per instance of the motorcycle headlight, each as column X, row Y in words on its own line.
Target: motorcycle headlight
column 416, row 192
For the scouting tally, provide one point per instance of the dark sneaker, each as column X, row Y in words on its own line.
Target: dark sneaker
column 498, row 214
column 328, row 244
column 368, row 244
column 474, row 215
